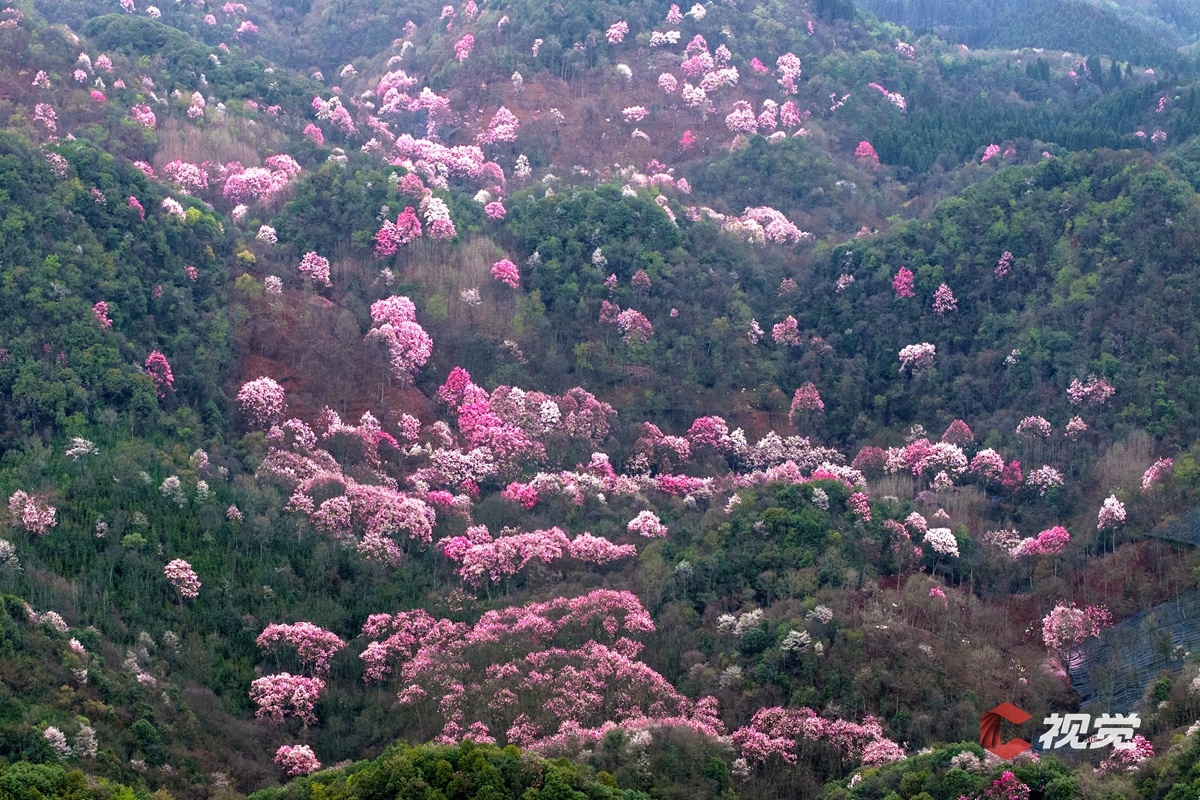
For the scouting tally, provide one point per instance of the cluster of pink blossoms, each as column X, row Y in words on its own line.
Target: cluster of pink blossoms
column 316, row 268
column 1094, row 392
column 806, row 400
column 160, row 372
column 100, row 309
column 483, row 557
column 392, row 235
column 263, row 401
column 396, row 326
column 917, row 357
column 34, row 514
column 779, row 731
column 286, row 695
column 297, row 759
column 1112, row 513
column 181, row 575
column 506, row 272
column 1049, row 542
column 314, row 645
column 647, row 524
column 617, row 32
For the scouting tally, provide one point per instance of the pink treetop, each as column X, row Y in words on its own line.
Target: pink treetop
column 1158, row 469
column 991, row 152
column 34, row 514
column 181, row 575
column 777, row 732
column 786, row 332
column 160, row 372
column 617, row 32
column 958, row 433
column 463, row 47
column 902, row 284
column 297, row 759
column 1049, row 542
column 1112, row 513
column 495, row 210
column 313, row 644
column 506, row 272
column 1004, row 264
column 859, row 505
column 409, row 346
column 1034, row 427
column 1095, row 392
column 315, row 267
column 806, row 400
column 647, row 524
column 636, row 327
column 263, row 401
column 866, row 154
column 1067, row 626
column 286, row 695
column 917, row 356
column 943, row 300
column 100, row 309
column 314, row 134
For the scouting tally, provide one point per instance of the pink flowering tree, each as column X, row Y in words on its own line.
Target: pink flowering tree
column 779, row 732
column 944, row 301
column 866, row 154
column 917, row 357
column 286, row 695
column 1112, row 514
column 635, row 326
column 506, row 272
column 1093, row 392
column 1004, row 264
column 179, row 573
column 100, row 310
column 297, row 760
column 263, row 401
column 33, row 513
column 396, row 327
column 786, row 332
column 806, row 404
column 160, row 372
column 1067, row 626
column 646, row 524
column 315, row 268
column 902, row 284
column 314, row 645
column 1049, row 542
column 547, row 676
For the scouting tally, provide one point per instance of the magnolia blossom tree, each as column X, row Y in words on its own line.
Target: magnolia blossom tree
column 179, row 573
column 396, row 327
column 316, row 268
column 917, row 357
column 902, row 284
column 506, row 272
column 160, row 372
column 1112, row 513
column 286, row 695
column 263, row 401
column 1067, row 626
column 806, row 402
column 647, row 524
column 314, row 645
column 297, row 759
column 34, row 514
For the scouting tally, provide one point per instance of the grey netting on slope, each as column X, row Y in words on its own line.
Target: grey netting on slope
column 1113, row 673
column 1184, row 528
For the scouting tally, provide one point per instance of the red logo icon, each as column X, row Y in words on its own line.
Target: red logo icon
column 989, row 731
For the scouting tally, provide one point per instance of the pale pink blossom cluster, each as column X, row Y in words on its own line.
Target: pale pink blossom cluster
column 395, row 325
column 786, row 332
column 315, row 646
column 1004, row 264
column 100, row 309
column 1112, row 513
column 1044, row 479
column 647, row 524
column 1155, row 472
column 179, row 573
column 263, row 401
column 510, row 670
column 1094, row 392
column 1068, row 626
column 463, row 47
column 1049, row 542
column 392, row 235
column 190, row 178
column 778, row 732
column 617, row 32
column 297, row 759
column 482, row 556
column 1127, row 758
column 635, row 327
column 316, row 268
column 33, row 513
column 788, row 68
column 286, row 695
column 1034, row 427
column 437, row 217
column 44, row 114
column 942, row 540
column 917, row 356
column 895, row 98
column 944, row 301
column 1075, row 427
column 143, row 115
column 806, row 400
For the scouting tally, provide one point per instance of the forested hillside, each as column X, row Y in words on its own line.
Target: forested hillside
column 592, row 399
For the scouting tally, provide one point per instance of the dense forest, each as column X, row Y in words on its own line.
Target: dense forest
column 595, row 399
